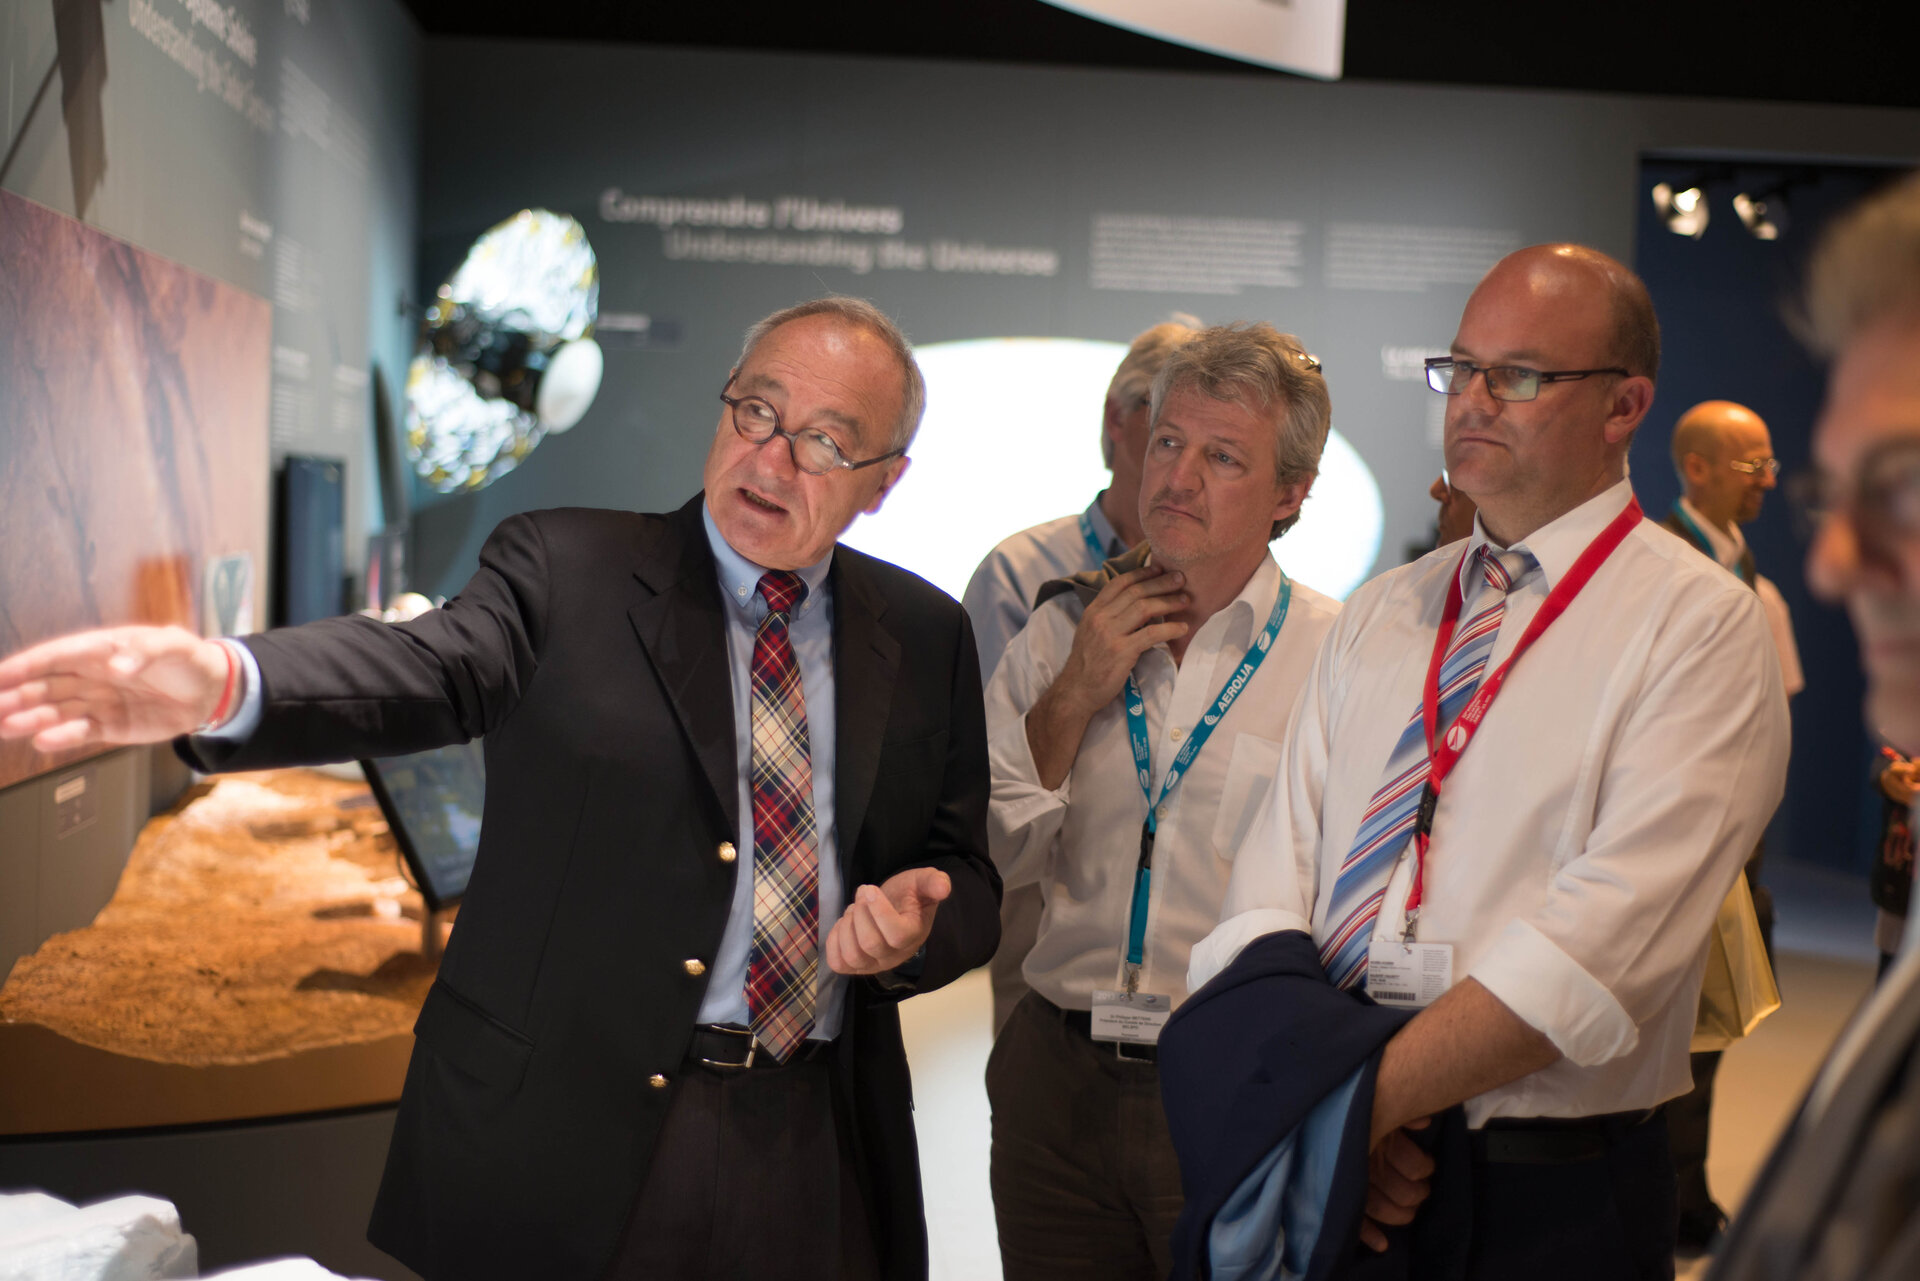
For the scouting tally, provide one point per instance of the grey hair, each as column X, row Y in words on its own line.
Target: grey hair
column 1265, row 369
column 860, row 314
column 1133, row 380
column 1865, row 269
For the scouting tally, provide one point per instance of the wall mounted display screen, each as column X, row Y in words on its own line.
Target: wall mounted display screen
column 310, row 550
column 433, row 801
column 133, row 428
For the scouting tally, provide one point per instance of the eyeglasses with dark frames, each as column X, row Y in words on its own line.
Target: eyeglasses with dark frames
column 1451, row 377
column 812, row 450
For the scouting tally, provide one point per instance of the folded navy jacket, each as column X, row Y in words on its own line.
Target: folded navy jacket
column 1267, row 1075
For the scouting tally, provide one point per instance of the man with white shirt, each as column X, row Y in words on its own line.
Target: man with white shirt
column 1723, row 455
column 1522, row 776
column 1132, row 728
column 999, row 596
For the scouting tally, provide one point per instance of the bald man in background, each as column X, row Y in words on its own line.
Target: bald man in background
column 1723, row 456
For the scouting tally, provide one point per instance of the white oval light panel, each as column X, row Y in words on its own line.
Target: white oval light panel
column 1011, row 438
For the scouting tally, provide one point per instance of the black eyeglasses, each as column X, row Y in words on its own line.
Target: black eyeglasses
column 1451, row 377
column 1884, row 506
column 813, row 451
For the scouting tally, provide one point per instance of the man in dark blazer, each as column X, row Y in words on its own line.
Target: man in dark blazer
column 567, row 1111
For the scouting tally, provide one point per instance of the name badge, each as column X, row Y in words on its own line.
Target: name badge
column 1130, row 1016
column 1410, row 975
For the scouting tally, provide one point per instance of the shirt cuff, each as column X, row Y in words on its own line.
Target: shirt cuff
column 1219, row 949
column 246, row 718
column 1553, row 993
column 1020, row 800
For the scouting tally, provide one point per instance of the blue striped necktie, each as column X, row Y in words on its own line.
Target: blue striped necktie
column 1387, row 825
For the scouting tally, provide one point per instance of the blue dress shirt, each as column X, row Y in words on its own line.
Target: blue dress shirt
column 811, row 632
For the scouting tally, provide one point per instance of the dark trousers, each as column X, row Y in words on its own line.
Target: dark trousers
column 752, row 1177
column 1605, row 1218
column 1689, row 1119
column 1690, row 1116
column 1085, row 1180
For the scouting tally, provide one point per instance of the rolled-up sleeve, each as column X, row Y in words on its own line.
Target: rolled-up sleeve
column 1023, row 821
column 1689, row 781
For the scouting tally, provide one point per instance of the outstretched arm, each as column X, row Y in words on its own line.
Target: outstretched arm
column 115, row 685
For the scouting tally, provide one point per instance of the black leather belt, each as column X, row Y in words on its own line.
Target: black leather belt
column 1081, row 1021
column 735, row 1049
column 1553, row 1140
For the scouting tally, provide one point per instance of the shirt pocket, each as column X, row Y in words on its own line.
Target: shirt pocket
column 1250, row 772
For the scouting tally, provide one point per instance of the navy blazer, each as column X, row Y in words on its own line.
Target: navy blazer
column 590, row 650
column 1245, row 1065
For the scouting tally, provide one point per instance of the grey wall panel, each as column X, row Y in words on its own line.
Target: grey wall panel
column 19, row 874
column 80, row 865
column 1022, row 156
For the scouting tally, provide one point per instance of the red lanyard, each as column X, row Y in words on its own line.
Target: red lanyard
column 1443, row 755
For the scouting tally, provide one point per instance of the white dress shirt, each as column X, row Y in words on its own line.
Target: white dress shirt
column 1728, row 549
column 1081, row 841
column 1585, row 839
column 999, row 596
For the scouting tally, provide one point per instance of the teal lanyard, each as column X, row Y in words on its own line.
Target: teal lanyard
column 1699, row 535
column 1093, row 540
column 1143, row 761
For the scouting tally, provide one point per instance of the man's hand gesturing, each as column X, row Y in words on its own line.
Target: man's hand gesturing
column 886, row 924
column 1123, row 622
column 116, row 685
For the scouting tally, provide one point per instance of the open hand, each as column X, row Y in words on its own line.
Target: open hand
column 1399, row 1178
column 886, row 924
column 115, row 685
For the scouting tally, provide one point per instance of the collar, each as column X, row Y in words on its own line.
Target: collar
column 1102, row 527
column 1725, row 550
column 1559, row 542
column 1255, row 600
column 1247, row 612
column 740, row 577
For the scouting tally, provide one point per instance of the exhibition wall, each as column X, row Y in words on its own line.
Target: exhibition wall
column 978, row 202
column 210, row 211
column 1725, row 300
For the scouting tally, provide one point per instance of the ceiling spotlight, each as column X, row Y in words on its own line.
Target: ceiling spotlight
column 506, row 355
column 1684, row 212
column 1759, row 214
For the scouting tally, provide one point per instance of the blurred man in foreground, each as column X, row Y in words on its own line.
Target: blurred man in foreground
column 1840, row 1198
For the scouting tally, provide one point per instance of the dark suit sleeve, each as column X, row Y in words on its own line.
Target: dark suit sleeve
column 966, row 927
column 343, row 688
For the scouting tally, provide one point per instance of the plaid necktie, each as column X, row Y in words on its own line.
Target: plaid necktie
column 783, row 967
column 1387, row 824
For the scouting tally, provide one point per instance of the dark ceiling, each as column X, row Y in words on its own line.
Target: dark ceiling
column 1843, row 51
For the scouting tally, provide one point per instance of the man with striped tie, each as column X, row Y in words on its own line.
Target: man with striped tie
column 1523, row 775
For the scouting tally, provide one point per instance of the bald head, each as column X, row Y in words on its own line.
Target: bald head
column 1715, row 444
column 1710, row 427
column 1578, row 277
column 1574, row 312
